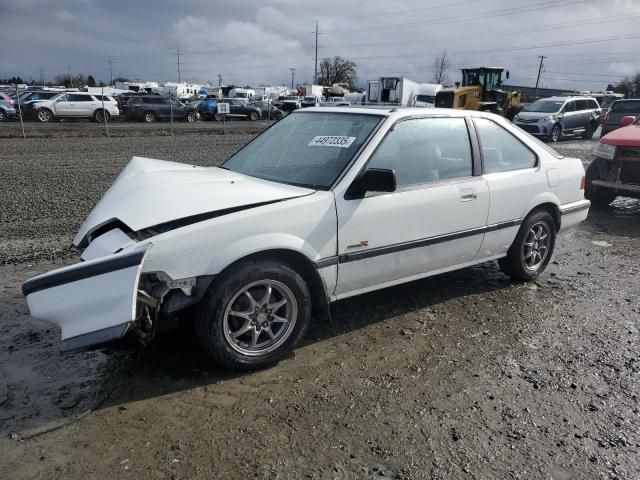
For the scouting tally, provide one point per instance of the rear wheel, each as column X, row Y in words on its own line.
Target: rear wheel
column 254, row 315
column 218, row 117
column 253, row 116
column 192, row 117
column 44, row 115
column 600, row 197
column 149, row 117
column 3, row 115
column 101, row 116
column 532, row 248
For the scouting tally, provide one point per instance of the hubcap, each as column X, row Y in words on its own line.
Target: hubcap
column 260, row 317
column 536, row 246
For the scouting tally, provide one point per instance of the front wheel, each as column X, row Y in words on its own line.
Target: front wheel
column 3, row 115
column 254, row 315
column 149, row 117
column 218, row 117
column 556, row 133
column 44, row 115
column 532, row 248
column 253, row 116
column 192, row 117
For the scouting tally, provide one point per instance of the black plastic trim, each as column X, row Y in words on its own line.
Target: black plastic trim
column 352, row 257
column 81, row 272
column 576, row 208
column 327, row 262
column 93, row 338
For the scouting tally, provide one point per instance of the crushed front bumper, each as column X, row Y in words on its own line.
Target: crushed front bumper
column 92, row 302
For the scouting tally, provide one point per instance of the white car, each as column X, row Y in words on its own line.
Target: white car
column 77, row 105
column 326, row 204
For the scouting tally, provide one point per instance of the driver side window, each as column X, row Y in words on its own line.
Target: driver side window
column 569, row 107
column 425, row 150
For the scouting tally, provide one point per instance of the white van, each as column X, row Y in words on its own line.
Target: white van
column 426, row 95
column 246, row 93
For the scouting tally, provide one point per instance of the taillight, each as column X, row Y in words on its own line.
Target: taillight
column 583, row 183
column 10, row 103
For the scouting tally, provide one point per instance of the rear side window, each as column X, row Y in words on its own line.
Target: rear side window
column 425, row 150
column 74, row 97
column 105, row 98
column 501, row 151
column 582, row 105
column 570, row 107
column 593, row 104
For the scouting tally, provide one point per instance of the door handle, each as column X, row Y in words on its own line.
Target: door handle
column 468, row 194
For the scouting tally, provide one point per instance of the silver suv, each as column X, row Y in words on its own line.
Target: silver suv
column 557, row 117
column 78, row 105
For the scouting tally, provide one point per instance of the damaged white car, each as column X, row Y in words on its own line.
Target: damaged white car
column 326, row 204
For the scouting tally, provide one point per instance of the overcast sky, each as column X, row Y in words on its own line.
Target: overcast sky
column 589, row 43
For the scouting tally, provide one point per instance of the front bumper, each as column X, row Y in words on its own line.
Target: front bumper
column 92, row 302
column 538, row 129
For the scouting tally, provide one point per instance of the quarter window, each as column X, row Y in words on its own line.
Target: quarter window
column 79, row 98
column 582, row 105
column 501, row 151
column 425, row 150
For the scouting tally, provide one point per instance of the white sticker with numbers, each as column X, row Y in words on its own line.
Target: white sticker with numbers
column 332, row 141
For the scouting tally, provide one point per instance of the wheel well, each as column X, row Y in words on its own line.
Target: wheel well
column 301, row 264
column 98, row 110
column 553, row 210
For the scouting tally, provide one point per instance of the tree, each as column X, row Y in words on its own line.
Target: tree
column 91, row 82
column 337, row 70
column 629, row 86
column 441, row 66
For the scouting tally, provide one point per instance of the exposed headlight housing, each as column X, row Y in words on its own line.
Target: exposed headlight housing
column 550, row 118
column 604, row 150
column 516, row 118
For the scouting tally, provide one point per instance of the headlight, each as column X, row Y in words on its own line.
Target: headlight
column 516, row 118
column 605, row 151
column 550, row 118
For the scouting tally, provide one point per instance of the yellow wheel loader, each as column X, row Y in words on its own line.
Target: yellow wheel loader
column 481, row 89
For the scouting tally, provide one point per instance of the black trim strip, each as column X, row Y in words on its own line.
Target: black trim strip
column 352, row 257
column 201, row 217
column 327, row 262
column 576, row 208
column 81, row 272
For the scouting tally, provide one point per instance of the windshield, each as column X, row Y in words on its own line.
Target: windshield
column 308, row 149
column 291, row 98
column 544, row 106
column 310, row 99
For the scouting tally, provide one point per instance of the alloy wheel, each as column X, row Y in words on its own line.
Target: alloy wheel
column 260, row 317
column 536, row 246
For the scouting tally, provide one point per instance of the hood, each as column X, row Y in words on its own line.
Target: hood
column 152, row 192
column 535, row 115
column 628, row 136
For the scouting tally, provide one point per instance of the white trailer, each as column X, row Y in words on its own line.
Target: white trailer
column 313, row 90
column 397, row 90
column 245, row 93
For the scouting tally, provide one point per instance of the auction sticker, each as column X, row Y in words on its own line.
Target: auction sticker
column 332, row 141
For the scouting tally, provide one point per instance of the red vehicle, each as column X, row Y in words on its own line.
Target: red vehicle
column 615, row 169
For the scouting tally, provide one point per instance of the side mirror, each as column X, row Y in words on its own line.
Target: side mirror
column 373, row 180
column 626, row 120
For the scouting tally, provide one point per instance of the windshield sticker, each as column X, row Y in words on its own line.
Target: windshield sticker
column 332, row 141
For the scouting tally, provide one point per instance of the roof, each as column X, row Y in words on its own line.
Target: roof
column 388, row 111
column 564, row 99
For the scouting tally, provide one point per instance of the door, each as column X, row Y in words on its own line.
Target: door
column 162, row 107
column 82, row 104
column 571, row 118
column 63, row 106
column 237, row 108
column 177, row 109
column 434, row 220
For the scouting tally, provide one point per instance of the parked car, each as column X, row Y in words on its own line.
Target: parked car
column 618, row 110
column 615, row 169
column 337, row 102
column 288, row 103
column 76, row 105
column 150, row 108
column 208, row 107
column 268, row 110
column 7, row 109
column 326, row 204
column 31, row 95
column 310, row 101
column 239, row 108
column 556, row 117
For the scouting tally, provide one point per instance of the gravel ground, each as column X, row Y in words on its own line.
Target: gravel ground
column 465, row 375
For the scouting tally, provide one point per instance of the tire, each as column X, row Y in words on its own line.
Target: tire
column 556, row 133
column 100, row 116
column 43, row 115
column 3, row 115
column 149, row 117
column 512, row 112
column 588, row 133
column 532, row 248
column 599, row 197
column 241, row 342
column 192, row 117
column 278, row 116
column 253, row 116
column 218, row 117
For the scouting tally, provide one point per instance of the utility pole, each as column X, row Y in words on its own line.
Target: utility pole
column 41, row 75
column 541, row 57
column 110, row 71
column 178, row 55
column 293, row 76
column 219, row 80
column 70, row 79
column 315, row 70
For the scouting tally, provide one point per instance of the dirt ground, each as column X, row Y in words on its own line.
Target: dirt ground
column 464, row 375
